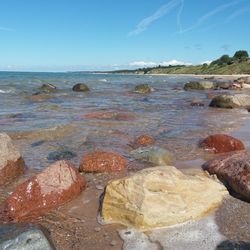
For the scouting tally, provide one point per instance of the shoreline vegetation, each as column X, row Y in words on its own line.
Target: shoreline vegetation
column 239, row 64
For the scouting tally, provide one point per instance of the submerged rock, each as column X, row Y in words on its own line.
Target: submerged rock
column 48, row 88
column 221, row 143
column 61, row 155
column 230, row 101
column 80, row 87
column 197, row 103
column 24, row 237
column 11, row 162
column 109, row 115
column 143, row 141
column 100, row 161
column 160, row 196
column 143, row 89
column 199, row 85
column 54, row 186
column 153, row 154
column 40, row 97
column 233, row 170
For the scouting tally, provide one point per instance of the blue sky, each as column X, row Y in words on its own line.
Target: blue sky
column 61, row 35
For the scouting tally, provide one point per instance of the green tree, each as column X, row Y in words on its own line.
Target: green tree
column 241, row 55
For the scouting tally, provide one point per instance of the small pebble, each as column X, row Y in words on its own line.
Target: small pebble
column 97, row 229
column 113, row 243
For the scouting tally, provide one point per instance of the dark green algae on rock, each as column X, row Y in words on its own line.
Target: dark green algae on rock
column 143, row 89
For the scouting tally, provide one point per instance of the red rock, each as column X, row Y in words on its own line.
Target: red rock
column 220, row 143
column 11, row 162
column 100, row 161
column 143, row 141
column 233, row 170
column 56, row 185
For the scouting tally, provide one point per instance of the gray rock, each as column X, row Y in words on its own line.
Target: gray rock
column 199, row 85
column 61, row 155
column 153, row 154
column 230, row 101
column 143, row 89
column 24, row 237
column 47, row 87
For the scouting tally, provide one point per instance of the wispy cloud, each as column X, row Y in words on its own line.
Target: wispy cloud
column 210, row 14
column 6, row 29
column 179, row 13
column 238, row 13
column 162, row 11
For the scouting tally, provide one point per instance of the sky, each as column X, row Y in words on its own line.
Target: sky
column 69, row 35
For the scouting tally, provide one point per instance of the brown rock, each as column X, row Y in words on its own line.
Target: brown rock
column 100, row 161
column 233, row 170
column 109, row 115
column 197, row 102
column 220, row 143
column 57, row 184
column 11, row 162
column 143, row 141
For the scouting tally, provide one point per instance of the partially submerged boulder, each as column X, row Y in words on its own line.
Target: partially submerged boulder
column 220, row 143
column 143, row 89
column 230, row 101
column 199, row 85
column 233, row 170
column 54, row 186
column 101, row 161
column 48, row 88
column 160, row 196
column 153, row 154
column 11, row 162
column 80, row 87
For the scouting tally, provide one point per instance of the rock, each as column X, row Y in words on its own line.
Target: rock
column 80, row 87
column 143, row 141
column 197, row 103
column 224, row 85
column 61, row 155
column 230, row 101
column 143, row 89
column 109, row 115
column 243, row 80
column 160, row 196
column 220, row 143
column 200, row 85
column 153, row 154
column 233, row 170
column 48, row 88
column 57, row 184
column 11, row 162
column 40, row 97
column 100, row 161
column 25, row 237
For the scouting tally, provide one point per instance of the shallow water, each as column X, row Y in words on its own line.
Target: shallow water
column 65, row 120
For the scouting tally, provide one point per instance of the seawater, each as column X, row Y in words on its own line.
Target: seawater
column 166, row 114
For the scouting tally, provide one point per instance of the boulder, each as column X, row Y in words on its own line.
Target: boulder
column 199, row 85
column 233, row 170
column 230, row 101
column 11, row 162
column 48, row 88
column 224, row 85
column 197, row 103
column 54, row 186
column 25, row 237
column 61, row 155
column 143, row 141
column 160, row 196
column 153, row 154
column 143, row 89
column 221, row 143
column 80, row 87
column 100, row 161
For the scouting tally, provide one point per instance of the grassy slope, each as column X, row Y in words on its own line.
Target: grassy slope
column 237, row 68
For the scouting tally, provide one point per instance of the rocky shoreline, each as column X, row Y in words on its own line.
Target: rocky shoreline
column 140, row 197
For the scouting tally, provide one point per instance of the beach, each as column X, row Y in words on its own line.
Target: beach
column 109, row 117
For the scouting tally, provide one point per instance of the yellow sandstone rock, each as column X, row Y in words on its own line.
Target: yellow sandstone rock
column 160, row 196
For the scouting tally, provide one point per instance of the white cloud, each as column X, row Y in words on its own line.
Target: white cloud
column 207, row 62
column 162, row 11
column 142, row 64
